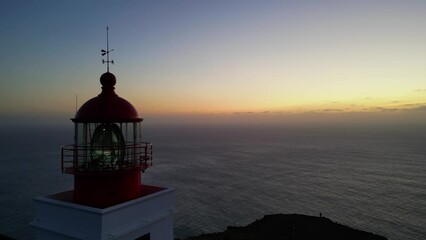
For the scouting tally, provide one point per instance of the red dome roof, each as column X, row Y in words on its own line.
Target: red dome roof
column 107, row 106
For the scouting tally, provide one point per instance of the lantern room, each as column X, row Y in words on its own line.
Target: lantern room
column 108, row 155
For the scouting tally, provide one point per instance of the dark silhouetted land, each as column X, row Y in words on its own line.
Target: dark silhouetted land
column 3, row 237
column 290, row 227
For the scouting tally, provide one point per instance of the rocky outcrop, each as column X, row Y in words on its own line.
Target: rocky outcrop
column 3, row 237
column 290, row 227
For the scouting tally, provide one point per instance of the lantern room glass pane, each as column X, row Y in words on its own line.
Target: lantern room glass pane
column 137, row 132
column 107, row 146
column 129, row 133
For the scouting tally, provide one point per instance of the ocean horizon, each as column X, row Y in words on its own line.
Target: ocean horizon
column 367, row 177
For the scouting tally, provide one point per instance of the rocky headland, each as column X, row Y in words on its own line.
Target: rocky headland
column 290, row 227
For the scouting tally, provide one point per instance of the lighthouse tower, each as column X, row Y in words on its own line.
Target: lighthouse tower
column 107, row 158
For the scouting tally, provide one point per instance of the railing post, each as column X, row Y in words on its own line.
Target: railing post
column 134, row 156
column 75, row 157
column 150, row 154
column 62, row 159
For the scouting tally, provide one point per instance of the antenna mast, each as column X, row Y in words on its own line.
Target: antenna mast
column 76, row 103
column 106, row 52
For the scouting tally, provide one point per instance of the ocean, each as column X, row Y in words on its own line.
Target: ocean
column 369, row 178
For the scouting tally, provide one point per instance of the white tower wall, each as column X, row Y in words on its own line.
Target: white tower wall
column 150, row 216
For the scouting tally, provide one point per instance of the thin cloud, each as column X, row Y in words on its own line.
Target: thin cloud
column 378, row 108
column 409, row 107
column 420, row 90
column 412, row 104
column 381, row 109
column 332, row 110
column 391, row 110
column 242, row 112
column 353, row 108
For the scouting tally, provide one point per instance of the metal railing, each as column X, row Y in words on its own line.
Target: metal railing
column 81, row 159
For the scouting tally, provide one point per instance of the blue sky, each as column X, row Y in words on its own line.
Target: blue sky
column 216, row 58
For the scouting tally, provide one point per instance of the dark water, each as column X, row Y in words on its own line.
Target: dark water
column 373, row 179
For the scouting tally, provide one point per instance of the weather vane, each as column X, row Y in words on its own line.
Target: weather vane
column 106, row 52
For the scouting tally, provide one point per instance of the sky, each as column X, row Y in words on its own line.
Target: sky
column 217, row 61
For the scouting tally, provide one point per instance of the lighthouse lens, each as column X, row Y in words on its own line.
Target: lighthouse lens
column 106, row 147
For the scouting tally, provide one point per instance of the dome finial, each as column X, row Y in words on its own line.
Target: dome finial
column 106, row 52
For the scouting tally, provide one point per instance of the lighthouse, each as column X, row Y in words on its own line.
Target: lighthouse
column 106, row 160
